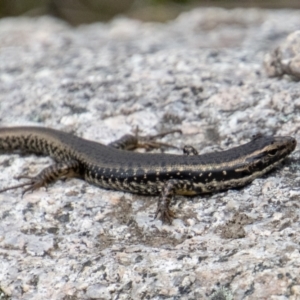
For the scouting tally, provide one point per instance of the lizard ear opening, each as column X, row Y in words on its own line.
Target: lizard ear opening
column 272, row 152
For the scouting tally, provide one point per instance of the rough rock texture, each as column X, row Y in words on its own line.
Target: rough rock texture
column 285, row 59
column 201, row 73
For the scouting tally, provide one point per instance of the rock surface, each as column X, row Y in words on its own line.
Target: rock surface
column 202, row 73
column 285, row 59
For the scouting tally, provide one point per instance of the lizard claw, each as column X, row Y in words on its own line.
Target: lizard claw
column 32, row 184
column 166, row 215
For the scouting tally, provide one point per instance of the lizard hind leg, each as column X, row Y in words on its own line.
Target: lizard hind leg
column 47, row 176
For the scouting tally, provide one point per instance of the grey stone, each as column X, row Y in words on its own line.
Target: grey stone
column 202, row 73
column 285, row 59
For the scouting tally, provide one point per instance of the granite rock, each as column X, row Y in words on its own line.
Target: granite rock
column 202, row 73
column 285, row 59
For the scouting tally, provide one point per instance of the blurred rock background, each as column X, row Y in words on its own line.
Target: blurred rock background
column 76, row 12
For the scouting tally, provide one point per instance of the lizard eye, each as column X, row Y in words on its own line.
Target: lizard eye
column 273, row 152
